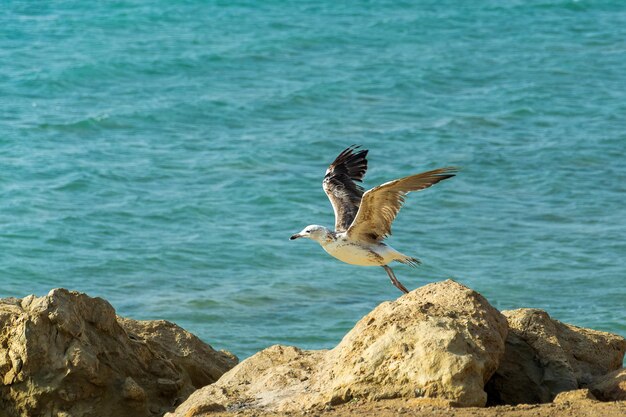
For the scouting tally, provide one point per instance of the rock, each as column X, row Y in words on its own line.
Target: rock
column 279, row 377
column 610, row 387
column 573, row 396
column 132, row 390
column 188, row 352
column 69, row 354
column 544, row 357
column 442, row 341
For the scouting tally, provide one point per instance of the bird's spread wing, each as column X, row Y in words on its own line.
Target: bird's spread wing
column 340, row 187
column 380, row 205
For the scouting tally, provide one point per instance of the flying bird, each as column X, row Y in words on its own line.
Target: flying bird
column 363, row 219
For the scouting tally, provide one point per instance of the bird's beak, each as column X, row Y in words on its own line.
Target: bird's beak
column 294, row 237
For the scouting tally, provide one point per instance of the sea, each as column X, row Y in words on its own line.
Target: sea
column 159, row 154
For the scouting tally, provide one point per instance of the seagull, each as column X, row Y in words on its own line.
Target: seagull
column 363, row 219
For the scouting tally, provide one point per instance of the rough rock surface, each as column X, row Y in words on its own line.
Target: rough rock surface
column 572, row 396
column 443, row 341
column 69, row 354
column 544, row 357
column 610, row 387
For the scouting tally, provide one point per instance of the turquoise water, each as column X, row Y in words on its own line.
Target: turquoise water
column 159, row 154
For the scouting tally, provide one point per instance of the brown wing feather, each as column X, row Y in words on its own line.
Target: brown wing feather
column 340, row 187
column 380, row 205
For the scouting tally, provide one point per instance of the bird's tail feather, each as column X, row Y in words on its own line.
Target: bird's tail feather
column 407, row 260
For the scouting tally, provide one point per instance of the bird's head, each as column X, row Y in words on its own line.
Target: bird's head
column 312, row 231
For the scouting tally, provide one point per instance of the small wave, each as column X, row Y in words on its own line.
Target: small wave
column 93, row 123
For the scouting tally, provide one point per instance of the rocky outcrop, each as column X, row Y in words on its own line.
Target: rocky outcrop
column 442, row 345
column 67, row 354
column 610, row 387
column 443, row 341
column 545, row 357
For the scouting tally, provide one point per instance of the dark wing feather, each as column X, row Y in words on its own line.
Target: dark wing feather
column 340, row 186
column 380, row 205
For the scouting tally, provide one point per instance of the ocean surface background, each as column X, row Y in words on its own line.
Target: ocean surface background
column 159, row 154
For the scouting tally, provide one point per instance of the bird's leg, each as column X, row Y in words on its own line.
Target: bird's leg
column 394, row 280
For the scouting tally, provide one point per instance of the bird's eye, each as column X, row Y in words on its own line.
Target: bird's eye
column 308, row 231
